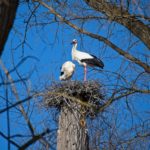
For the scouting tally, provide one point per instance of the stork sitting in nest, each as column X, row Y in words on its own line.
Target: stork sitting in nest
column 67, row 70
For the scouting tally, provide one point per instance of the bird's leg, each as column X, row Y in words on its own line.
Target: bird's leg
column 85, row 70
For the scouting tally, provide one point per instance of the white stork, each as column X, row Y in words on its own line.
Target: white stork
column 67, row 70
column 85, row 59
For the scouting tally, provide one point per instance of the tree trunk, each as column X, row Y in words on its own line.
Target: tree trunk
column 8, row 10
column 72, row 135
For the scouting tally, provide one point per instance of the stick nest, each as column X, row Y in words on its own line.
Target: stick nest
column 88, row 95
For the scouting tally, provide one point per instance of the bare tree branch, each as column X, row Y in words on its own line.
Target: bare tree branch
column 98, row 37
column 130, row 91
column 122, row 16
column 16, row 104
column 12, row 142
column 34, row 139
column 14, row 90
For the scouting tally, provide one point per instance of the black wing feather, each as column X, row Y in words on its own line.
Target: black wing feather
column 94, row 62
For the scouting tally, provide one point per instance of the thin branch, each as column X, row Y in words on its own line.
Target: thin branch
column 16, row 104
column 22, row 61
column 27, row 23
column 74, row 99
column 118, row 14
column 14, row 90
column 34, row 139
column 130, row 91
column 146, row 135
column 12, row 142
column 112, row 99
column 8, row 115
column 15, row 81
column 98, row 37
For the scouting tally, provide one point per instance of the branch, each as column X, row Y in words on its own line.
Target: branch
column 34, row 139
column 15, row 104
column 26, row 27
column 123, row 17
column 130, row 91
column 15, row 81
column 14, row 90
column 146, row 135
column 112, row 99
column 12, row 142
column 23, row 61
column 98, row 37
column 143, row 135
column 74, row 99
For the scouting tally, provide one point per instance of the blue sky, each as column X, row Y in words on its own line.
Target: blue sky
column 47, row 48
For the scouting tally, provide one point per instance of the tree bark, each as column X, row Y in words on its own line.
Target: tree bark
column 123, row 17
column 71, row 134
column 8, row 10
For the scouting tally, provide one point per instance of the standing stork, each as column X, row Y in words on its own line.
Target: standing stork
column 85, row 59
column 67, row 70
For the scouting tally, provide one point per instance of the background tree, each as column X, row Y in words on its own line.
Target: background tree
column 8, row 10
column 117, row 31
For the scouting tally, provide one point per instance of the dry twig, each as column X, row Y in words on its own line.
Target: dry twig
column 88, row 95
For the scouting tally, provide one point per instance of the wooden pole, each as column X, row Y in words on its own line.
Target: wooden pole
column 72, row 133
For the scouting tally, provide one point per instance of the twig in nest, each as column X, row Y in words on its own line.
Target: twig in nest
column 87, row 94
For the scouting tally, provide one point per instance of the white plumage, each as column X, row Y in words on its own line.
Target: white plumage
column 85, row 59
column 67, row 70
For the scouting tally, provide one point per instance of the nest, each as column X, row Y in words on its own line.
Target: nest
column 88, row 95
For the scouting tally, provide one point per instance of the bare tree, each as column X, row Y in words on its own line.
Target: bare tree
column 121, row 34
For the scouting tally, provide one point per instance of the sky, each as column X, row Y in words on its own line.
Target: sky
column 45, row 50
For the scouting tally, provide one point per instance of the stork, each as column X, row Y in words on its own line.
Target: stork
column 67, row 70
column 85, row 59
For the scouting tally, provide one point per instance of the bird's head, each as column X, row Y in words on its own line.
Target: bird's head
column 74, row 41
